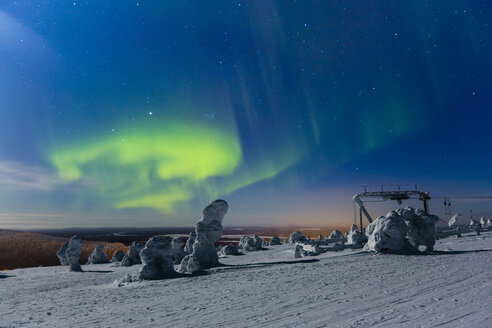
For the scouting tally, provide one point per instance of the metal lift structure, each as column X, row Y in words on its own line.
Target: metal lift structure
column 400, row 193
column 447, row 201
column 387, row 192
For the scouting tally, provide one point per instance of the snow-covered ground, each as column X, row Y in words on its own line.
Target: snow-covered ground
column 451, row 288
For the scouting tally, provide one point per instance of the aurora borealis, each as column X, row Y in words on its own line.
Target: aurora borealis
column 137, row 113
column 160, row 166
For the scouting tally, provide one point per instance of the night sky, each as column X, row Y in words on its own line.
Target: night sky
column 138, row 113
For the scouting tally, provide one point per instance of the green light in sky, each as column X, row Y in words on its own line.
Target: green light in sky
column 162, row 166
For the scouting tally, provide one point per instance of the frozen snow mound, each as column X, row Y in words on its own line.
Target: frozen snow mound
column 295, row 237
column 117, row 256
column 258, row 242
column 275, row 241
column 230, row 250
column 401, row 231
column 337, row 247
column 249, row 244
column 483, row 221
column 355, row 237
column 388, row 234
column 178, row 251
column 336, row 235
column 158, row 259
column 73, row 253
column 62, row 254
column 308, row 248
column 246, row 244
column 189, row 243
column 458, row 220
column 298, row 251
column 97, row 256
column 132, row 256
column 208, row 230
column 421, row 227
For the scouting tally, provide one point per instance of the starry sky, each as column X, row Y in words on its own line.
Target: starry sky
column 138, row 113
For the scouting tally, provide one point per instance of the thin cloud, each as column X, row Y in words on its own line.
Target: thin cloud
column 14, row 215
column 20, row 176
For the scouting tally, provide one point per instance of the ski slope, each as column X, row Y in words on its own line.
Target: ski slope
column 450, row 288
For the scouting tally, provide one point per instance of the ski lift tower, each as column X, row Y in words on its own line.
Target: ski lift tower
column 387, row 192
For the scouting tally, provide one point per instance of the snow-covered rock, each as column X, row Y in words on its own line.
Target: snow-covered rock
column 73, row 253
column 458, row 220
column 178, row 251
column 230, row 250
column 489, row 223
column 473, row 223
column 117, row 256
column 189, row 243
column 132, row 256
column 483, row 221
column 157, row 259
column 208, row 231
column 97, row 256
column 295, row 237
column 275, row 241
column 62, row 254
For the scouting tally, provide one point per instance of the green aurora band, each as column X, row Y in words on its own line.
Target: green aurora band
column 162, row 167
